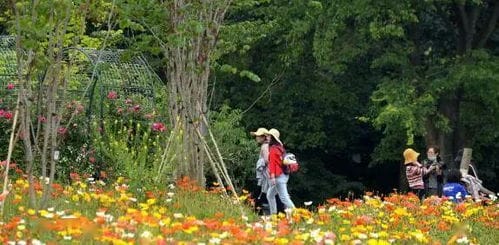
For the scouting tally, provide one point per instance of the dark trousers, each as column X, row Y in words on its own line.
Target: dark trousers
column 419, row 192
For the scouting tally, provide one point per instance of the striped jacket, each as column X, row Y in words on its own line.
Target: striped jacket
column 415, row 173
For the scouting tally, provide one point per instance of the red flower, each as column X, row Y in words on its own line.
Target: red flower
column 10, row 86
column 112, row 95
column 136, row 108
column 158, row 127
column 91, row 159
column 7, row 115
column 2, row 112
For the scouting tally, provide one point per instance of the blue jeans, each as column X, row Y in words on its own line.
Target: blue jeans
column 280, row 188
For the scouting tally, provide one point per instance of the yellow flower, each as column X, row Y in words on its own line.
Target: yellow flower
column 151, row 201
column 377, row 242
column 281, row 241
column 401, row 211
column 345, row 237
column 420, row 237
column 120, row 180
column 302, row 236
column 191, row 229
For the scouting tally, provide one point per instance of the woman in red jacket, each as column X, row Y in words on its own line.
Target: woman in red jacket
column 278, row 179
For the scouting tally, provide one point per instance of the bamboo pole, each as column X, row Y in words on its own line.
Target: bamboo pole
column 9, row 155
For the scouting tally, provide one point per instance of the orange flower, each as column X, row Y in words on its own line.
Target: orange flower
column 443, row 226
column 4, row 195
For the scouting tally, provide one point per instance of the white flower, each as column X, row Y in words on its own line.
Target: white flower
column 171, row 186
column 463, row 240
column 178, row 215
column 68, row 217
column 170, row 194
column 128, row 235
column 308, row 203
column 245, row 218
column 215, row 240
column 36, row 242
column 146, row 234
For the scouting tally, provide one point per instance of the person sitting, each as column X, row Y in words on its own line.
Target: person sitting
column 453, row 189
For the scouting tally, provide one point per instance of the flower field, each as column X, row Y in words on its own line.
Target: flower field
column 111, row 213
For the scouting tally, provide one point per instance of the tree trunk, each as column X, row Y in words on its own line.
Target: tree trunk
column 188, row 72
column 466, row 18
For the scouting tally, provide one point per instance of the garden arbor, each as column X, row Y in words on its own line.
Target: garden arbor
column 53, row 99
column 94, row 73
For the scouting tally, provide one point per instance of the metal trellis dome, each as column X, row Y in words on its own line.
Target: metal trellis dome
column 96, row 73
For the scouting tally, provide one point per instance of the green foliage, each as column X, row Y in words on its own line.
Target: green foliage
column 132, row 150
column 240, row 152
column 132, row 140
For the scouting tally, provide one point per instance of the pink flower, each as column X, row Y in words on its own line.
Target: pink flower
column 158, row 127
column 91, row 159
column 10, row 86
column 128, row 101
column 62, row 130
column 7, row 115
column 74, row 176
column 119, row 110
column 2, row 112
column 112, row 95
column 136, row 108
column 42, row 119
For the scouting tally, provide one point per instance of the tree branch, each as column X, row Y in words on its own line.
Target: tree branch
column 491, row 26
column 274, row 82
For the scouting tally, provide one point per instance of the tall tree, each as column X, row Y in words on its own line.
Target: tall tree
column 186, row 33
column 433, row 64
column 42, row 30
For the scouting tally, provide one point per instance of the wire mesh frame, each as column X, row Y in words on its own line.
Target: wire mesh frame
column 106, row 70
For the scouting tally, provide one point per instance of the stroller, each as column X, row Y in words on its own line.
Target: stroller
column 474, row 185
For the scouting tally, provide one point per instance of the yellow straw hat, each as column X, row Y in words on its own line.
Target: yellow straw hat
column 275, row 133
column 260, row 132
column 410, row 155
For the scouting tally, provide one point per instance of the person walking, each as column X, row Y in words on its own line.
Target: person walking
column 415, row 171
column 262, row 172
column 278, row 180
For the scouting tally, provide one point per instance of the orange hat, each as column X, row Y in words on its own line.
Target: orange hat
column 410, row 155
